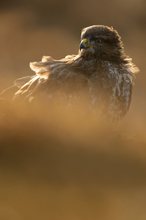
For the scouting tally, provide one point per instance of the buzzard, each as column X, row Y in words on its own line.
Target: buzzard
column 101, row 73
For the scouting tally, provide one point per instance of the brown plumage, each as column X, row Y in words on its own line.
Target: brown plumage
column 100, row 71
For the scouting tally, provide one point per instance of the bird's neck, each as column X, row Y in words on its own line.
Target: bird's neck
column 86, row 64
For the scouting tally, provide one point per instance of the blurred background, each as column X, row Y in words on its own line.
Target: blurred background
column 55, row 168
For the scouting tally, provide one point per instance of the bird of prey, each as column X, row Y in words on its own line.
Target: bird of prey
column 101, row 71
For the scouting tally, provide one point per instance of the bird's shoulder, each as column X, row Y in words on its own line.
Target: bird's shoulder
column 62, row 69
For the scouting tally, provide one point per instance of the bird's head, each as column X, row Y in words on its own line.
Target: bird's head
column 102, row 42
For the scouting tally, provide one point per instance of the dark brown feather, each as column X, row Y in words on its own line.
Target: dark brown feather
column 101, row 72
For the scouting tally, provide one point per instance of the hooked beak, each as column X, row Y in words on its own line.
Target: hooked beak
column 85, row 44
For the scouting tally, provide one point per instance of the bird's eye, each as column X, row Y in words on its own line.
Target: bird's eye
column 96, row 39
column 93, row 38
column 107, row 40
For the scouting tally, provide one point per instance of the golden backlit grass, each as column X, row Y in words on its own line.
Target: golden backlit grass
column 64, row 163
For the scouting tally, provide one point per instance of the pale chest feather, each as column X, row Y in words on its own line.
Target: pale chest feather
column 110, row 83
column 111, row 76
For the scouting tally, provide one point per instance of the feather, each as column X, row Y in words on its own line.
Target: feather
column 104, row 75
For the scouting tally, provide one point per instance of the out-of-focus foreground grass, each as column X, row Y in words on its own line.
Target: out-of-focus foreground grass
column 66, row 163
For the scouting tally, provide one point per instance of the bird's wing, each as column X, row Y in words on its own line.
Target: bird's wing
column 122, row 92
column 49, row 73
column 8, row 92
column 27, row 85
column 127, row 82
column 21, row 81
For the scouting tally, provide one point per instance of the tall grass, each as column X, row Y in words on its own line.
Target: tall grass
column 68, row 163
